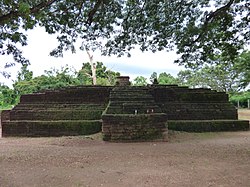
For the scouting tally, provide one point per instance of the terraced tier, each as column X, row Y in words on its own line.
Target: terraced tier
column 50, row 128
column 69, row 111
column 182, row 103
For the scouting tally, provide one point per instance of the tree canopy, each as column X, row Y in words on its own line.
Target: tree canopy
column 199, row 30
column 223, row 76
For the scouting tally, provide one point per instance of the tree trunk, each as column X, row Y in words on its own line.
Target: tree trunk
column 93, row 68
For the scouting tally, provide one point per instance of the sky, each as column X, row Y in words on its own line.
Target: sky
column 40, row 44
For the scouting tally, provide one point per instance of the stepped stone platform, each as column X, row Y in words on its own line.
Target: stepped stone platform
column 133, row 115
column 122, row 112
column 69, row 111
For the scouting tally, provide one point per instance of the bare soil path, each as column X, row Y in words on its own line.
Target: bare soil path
column 205, row 159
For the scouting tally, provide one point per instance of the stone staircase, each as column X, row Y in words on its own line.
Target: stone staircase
column 132, row 114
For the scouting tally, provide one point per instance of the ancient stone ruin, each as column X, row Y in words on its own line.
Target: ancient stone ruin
column 122, row 112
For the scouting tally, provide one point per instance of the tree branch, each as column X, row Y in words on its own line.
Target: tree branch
column 33, row 10
column 93, row 11
column 211, row 16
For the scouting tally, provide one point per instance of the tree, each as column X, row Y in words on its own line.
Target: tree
column 153, row 77
column 166, row 78
column 140, row 81
column 192, row 78
column 24, row 74
column 240, row 98
column 222, row 76
column 93, row 67
column 199, row 30
column 7, row 96
column 103, row 75
column 52, row 79
column 242, row 66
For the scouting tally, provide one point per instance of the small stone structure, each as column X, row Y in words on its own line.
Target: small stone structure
column 123, row 113
column 122, row 81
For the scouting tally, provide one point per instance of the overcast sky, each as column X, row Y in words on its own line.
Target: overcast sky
column 40, row 44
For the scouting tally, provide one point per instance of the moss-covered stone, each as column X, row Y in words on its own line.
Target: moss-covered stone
column 51, row 128
column 133, row 113
column 208, row 125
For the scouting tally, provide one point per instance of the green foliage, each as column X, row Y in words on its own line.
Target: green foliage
column 242, row 66
column 153, row 77
column 24, row 74
column 140, row 81
column 198, row 31
column 166, row 78
column 104, row 76
column 7, row 97
column 241, row 97
column 188, row 78
column 51, row 80
column 222, row 76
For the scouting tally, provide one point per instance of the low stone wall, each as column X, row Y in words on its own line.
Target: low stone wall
column 4, row 117
column 208, row 125
column 142, row 127
column 50, row 128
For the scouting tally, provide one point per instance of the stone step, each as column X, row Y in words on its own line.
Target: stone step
column 191, row 106
column 208, row 125
column 130, row 95
column 51, row 128
column 47, row 115
column 130, row 88
column 46, row 106
column 133, row 110
column 142, row 102
column 132, row 99
column 199, row 115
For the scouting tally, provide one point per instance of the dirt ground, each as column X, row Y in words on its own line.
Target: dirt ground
column 206, row 159
column 244, row 114
column 188, row 159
